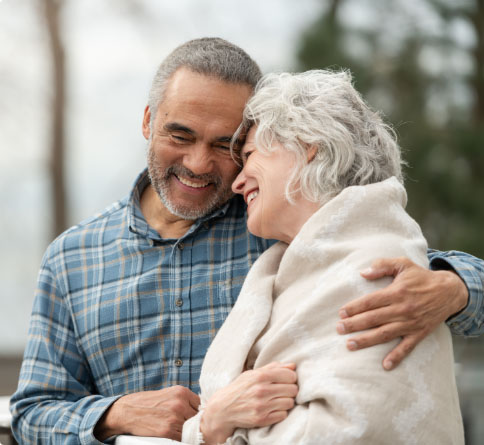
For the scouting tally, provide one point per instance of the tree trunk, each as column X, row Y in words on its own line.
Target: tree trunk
column 56, row 165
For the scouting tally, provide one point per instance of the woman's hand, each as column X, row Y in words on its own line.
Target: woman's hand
column 256, row 398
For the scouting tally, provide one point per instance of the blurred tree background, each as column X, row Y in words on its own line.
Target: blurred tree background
column 422, row 64
column 74, row 76
column 424, row 68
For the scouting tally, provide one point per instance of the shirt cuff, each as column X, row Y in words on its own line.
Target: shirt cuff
column 90, row 419
column 467, row 322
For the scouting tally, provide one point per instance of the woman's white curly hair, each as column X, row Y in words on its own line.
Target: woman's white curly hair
column 322, row 109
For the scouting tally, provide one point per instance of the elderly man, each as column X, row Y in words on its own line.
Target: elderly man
column 129, row 300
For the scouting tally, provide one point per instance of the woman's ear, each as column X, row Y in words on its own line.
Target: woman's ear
column 312, row 152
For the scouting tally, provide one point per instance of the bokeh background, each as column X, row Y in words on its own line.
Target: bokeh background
column 74, row 78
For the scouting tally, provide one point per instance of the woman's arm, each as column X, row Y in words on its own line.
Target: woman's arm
column 256, row 398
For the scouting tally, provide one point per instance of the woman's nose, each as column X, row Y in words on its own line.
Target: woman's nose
column 239, row 183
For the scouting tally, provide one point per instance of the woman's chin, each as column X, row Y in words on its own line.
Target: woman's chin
column 254, row 229
column 255, row 232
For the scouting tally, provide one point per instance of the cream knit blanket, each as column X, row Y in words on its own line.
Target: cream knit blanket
column 288, row 309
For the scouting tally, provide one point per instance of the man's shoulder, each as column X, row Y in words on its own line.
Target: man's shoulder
column 100, row 229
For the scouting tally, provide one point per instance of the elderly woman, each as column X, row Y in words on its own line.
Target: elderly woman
column 322, row 174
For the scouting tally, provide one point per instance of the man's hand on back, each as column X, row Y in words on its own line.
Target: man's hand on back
column 411, row 307
column 149, row 413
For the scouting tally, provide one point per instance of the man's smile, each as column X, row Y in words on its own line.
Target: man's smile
column 187, row 182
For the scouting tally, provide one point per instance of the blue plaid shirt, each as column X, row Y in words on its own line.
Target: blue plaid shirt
column 470, row 321
column 118, row 309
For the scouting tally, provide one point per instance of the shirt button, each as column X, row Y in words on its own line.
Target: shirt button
column 178, row 362
column 181, row 246
column 179, row 302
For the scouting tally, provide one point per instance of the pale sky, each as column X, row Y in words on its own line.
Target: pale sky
column 113, row 48
column 113, row 51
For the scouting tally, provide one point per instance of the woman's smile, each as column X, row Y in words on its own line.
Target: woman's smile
column 251, row 196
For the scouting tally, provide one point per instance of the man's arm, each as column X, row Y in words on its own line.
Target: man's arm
column 416, row 302
column 159, row 413
column 57, row 401
column 470, row 320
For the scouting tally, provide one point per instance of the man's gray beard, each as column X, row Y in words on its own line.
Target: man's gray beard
column 160, row 178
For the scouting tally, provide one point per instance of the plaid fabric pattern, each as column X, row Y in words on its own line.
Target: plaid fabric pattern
column 118, row 309
column 470, row 321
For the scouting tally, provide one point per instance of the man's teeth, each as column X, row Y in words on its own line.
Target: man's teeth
column 192, row 184
column 252, row 196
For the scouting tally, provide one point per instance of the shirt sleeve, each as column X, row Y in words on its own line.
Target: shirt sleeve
column 56, row 401
column 470, row 321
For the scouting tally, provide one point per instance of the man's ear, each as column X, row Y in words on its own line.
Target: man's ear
column 312, row 152
column 145, row 128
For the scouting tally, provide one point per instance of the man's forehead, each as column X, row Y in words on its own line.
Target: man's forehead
column 185, row 81
column 178, row 79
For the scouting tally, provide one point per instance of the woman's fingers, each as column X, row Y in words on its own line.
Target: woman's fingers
column 271, row 391
column 273, row 418
column 276, row 373
column 282, row 404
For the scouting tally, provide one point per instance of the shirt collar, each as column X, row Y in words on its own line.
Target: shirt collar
column 137, row 222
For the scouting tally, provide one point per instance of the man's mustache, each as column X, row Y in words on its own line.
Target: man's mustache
column 180, row 170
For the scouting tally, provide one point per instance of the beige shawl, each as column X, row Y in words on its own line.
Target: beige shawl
column 288, row 309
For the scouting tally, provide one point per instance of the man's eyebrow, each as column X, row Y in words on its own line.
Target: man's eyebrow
column 175, row 126
column 226, row 139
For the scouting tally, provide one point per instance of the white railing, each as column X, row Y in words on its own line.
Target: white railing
column 5, row 417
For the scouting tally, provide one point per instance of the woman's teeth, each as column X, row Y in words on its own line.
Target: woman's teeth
column 192, row 184
column 252, row 196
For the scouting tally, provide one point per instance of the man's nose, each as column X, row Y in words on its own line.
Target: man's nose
column 199, row 159
column 239, row 183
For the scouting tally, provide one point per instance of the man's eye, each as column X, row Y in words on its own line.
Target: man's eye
column 179, row 138
column 224, row 147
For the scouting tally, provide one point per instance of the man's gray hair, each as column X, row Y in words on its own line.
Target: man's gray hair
column 322, row 109
column 211, row 56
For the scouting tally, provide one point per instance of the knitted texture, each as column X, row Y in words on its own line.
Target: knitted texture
column 288, row 310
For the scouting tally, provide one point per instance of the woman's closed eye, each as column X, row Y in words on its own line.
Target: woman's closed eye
column 246, row 155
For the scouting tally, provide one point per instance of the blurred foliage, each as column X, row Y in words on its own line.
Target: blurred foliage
column 424, row 70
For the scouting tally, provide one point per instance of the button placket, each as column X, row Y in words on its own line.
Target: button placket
column 176, row 314
column 182, row 344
